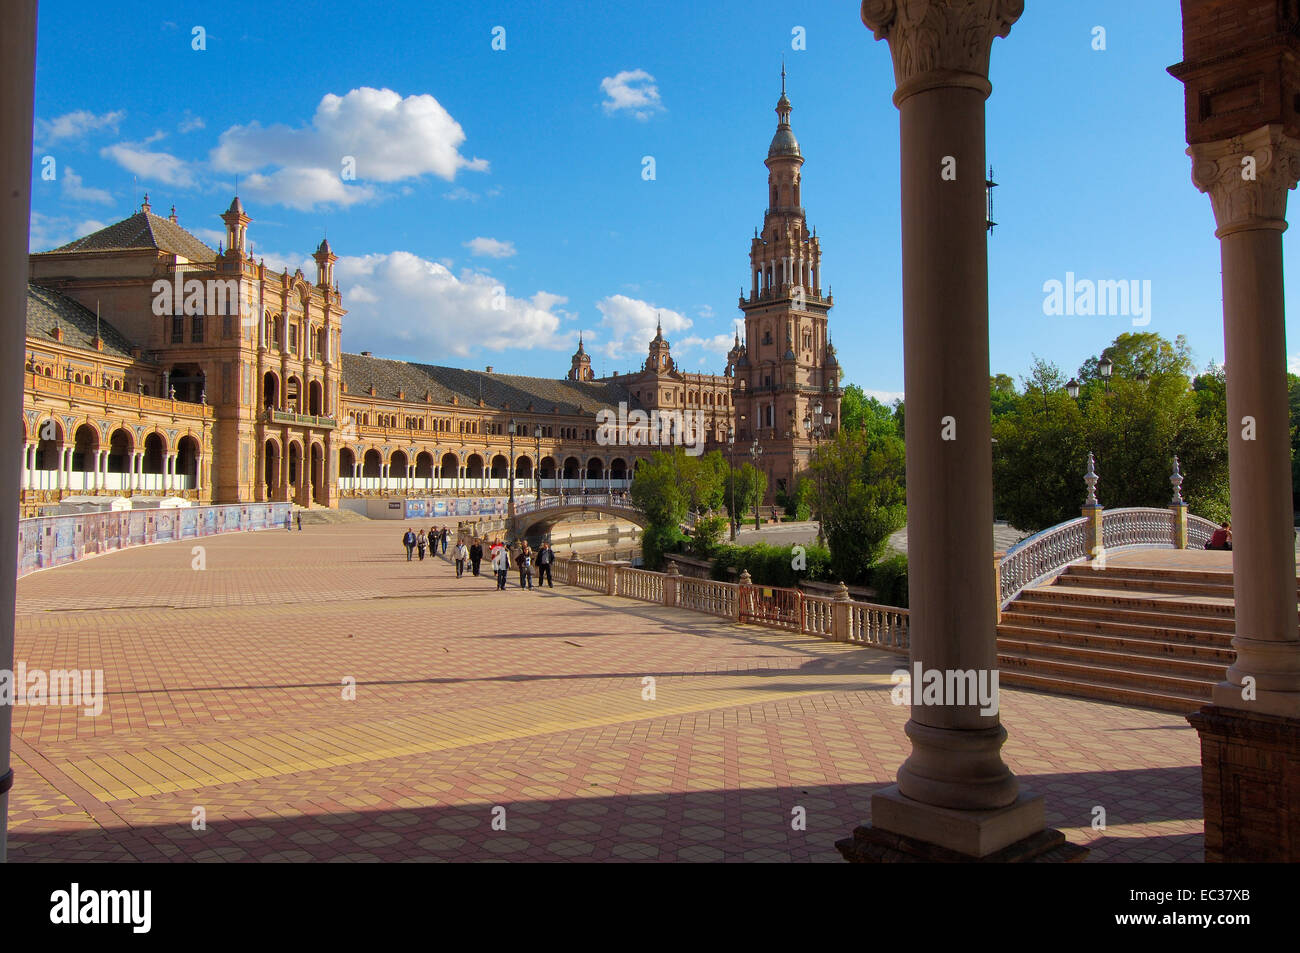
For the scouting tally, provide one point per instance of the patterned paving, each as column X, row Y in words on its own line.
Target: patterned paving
column 314, row 696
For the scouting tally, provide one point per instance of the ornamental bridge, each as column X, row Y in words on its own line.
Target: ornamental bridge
column 538, row 516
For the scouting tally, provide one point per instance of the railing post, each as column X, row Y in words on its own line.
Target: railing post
column 840, row 610
column 1092, row 512
column 573, row 568
column 671, row 576
column 1179, row 506
column 997, row 586
column 611, row 580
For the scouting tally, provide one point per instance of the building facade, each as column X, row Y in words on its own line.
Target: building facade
column 159, row 366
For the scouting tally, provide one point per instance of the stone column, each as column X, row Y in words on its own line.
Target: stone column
column 955, row 798
column 17, row 76
column 1247, row 178
column 29, row 464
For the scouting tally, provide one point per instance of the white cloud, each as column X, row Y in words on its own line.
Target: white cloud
column 490, row 248
column 631, row 91
column 629, row 324
column 209, row 236
column 886, row 397
column 151, row 166
column 1293, row 364
column 52, row 231
column 75, row 191
column 75, row 125
column 191, row 122
column 410, row 308
column 375, row 134
column 304, row 189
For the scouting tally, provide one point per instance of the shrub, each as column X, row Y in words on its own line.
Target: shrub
column 657, row 540
column 706, row 535
column 771, row 565
column 889, row 578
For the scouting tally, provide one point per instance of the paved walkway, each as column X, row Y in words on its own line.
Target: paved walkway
column 225, row 697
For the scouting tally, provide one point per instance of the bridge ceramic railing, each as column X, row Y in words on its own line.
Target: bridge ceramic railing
column 55, row 540
column 837, row 619
column 1045, row 554
column 611, row 501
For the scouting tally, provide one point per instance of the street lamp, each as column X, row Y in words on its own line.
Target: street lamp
column 537, row 461
column 816, row 426
column 1105, row 368
column 512, row 427
column 1072, row 388
column 731, row 443
column 755, row 451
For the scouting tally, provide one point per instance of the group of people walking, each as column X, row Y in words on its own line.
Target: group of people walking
column 499, row 556
column 420, row 542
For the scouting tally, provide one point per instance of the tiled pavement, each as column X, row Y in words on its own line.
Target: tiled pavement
column 225, row 691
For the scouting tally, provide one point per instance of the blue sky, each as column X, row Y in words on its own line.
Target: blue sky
column 518, row 173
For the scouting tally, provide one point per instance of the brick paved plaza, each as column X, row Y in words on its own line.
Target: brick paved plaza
column 225, row 691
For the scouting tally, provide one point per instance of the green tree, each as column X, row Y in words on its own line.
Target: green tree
column 864, row 498
column 1134, row 426
column 750, row 486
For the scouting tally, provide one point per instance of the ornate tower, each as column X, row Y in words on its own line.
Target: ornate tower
column 580, row 366
column 325, row 265
column 659, row 361
column 236, row 228
column 786, row 364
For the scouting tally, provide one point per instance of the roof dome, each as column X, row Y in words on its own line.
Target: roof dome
column 784, row 142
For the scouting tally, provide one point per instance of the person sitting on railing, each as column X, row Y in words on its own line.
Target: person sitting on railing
column 1221, row 538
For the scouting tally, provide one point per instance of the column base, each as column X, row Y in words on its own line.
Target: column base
column 941, row 833
column 1250, row 785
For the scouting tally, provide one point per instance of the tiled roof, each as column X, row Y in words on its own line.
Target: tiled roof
column 143, row 230
column 442, row 383
column 47, row 309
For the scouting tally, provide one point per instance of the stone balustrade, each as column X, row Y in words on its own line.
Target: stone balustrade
column 836, row 619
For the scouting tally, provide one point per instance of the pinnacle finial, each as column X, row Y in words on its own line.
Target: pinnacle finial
column 783, row 76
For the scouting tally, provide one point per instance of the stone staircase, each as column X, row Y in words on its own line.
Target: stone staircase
column 1154, row 638
column 317, row 515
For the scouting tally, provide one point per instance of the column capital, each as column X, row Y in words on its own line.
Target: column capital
column 1247, row 177
column 938, row 43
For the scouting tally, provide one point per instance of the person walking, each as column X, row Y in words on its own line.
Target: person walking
column 462, row 554
column 408, row 540
column 288, row 523
column 545, row 556
column 475, row 555
column 299, row 517
column 524, row 561
column 420, row 543
column 445, row 534
column 500, row 565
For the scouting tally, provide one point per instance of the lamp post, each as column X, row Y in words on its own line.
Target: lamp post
column 817, row 426
column 1072, row 388
column 1105, row 367
column 510, row 469
column 537, row 461
column 731, row 443
column 755, row 451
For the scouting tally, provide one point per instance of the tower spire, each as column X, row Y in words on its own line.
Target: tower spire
column 783, row 76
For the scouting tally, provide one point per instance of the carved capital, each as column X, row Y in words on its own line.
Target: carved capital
column 1247, row 177
column 940, row 42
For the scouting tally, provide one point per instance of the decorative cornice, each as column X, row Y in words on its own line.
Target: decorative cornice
column 1247, row 178
column 938, row 43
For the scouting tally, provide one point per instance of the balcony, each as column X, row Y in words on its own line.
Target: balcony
column 274, row 416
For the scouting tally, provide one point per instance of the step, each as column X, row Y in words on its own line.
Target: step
column 1154, row 625
column 1106, row 675
column 1173, row 666
column 1212, row 576
column 1125, row 600
column 1133, row 644
column 1107, row 580
column 1183, row 704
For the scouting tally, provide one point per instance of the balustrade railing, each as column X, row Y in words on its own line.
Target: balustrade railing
column 1039, row 556
column 709, row 596
column 640, row 584
column 876, row 626
column 1137, row 526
